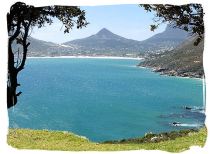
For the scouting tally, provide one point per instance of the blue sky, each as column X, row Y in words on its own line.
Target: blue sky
column 129, row 21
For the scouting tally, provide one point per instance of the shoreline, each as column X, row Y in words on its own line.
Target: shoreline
column 86, row 57
column 162, row 73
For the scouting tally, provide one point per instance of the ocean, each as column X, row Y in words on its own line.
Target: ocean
column 104, row 99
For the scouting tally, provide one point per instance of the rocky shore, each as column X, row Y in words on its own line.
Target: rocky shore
column 186, row 60
column 177, row 73
column 173, row 72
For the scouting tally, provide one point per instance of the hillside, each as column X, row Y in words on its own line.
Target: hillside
column 66, row 141
column 39, row 48
column 185, row 60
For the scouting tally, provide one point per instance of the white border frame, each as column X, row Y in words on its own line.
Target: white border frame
column 4, row 8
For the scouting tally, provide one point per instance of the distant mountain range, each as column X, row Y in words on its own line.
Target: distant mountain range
column 184, row 60
column 107, row 43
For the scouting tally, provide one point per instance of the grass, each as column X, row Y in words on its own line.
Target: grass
column 66, row 141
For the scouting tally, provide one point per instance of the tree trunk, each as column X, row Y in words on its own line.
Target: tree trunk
column 12, row 70
column 11, row 89
column 12, row 79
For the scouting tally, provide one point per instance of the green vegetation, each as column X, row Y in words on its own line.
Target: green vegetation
column 58, row 140
column 185, row 60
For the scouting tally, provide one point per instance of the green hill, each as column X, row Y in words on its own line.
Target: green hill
column 186, row 60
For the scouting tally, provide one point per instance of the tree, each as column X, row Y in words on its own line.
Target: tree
column 20, row 21
column 188, row 17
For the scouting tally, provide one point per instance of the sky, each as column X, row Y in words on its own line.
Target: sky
column 129, row 21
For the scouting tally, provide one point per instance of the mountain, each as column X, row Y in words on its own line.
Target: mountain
column 107, row 43
column 43, row 48
column 167, row 40
column 39, row 48
column 170, row 33
column 184, row 60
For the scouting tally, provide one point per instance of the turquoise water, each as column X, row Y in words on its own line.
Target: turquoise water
column 104, row 99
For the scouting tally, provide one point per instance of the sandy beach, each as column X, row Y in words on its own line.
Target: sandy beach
column 90, row 57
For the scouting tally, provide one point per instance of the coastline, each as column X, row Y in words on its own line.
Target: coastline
column 171, row 73
column 87, row 57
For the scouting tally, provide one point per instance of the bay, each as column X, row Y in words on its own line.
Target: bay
column 104, row 99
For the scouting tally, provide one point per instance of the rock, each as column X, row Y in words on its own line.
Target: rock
column 159, row 69
column 154, row 139
column 188, row 108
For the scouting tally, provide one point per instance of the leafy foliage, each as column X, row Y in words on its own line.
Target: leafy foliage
column 188, row 17
column 20, row 20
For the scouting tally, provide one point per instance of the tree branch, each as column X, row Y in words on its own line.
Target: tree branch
column 17, row 32
column 25, row 45
column 18, row 94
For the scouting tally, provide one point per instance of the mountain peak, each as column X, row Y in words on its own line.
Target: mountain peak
column 105, row 33
column 104, row 30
